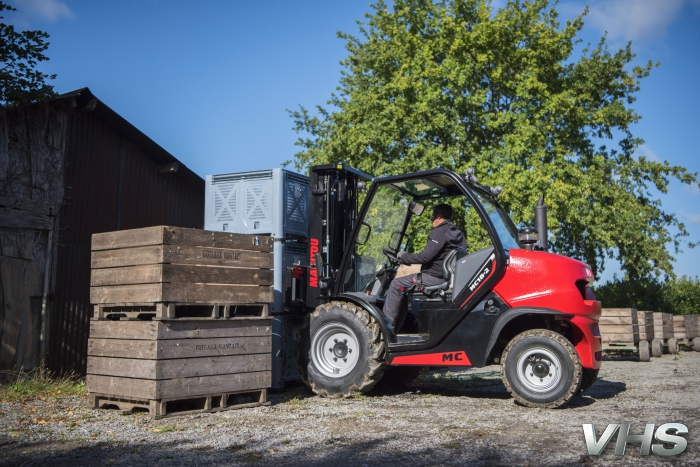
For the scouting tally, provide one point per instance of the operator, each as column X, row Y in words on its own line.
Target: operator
column 444, row 237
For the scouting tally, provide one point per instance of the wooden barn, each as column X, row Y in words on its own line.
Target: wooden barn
column 71, row 167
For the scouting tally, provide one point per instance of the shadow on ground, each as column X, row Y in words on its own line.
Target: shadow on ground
column 459, row 451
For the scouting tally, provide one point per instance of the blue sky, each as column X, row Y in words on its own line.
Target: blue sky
column 210, row 81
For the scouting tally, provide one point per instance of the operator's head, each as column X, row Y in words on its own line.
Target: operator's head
column 441, row 213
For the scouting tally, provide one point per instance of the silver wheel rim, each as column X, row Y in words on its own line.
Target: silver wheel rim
column 539, row 370
column 335, row 350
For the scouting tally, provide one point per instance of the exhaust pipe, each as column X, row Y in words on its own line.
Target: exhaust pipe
column 541, row 223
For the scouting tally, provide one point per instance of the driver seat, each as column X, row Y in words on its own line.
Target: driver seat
column 448, row 272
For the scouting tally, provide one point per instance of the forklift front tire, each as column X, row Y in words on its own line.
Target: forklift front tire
column 346, row 350
column 540, row 368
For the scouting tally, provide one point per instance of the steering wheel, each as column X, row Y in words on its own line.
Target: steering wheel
column 393, row 259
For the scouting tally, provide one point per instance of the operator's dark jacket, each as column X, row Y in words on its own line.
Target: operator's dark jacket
column 441, row 240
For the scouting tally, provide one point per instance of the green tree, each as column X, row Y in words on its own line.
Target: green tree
column 450, row 83
column 20, row 82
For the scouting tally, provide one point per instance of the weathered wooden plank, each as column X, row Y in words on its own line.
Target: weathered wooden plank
column 616, row 320
column 180, row 273
column 127, row 257
column 145, row 293
column 182, row 293
column 619, row 312
column 123, row 348
column 619, row 329
column 181, row 388
column 197, row 329
column 180, row 236
column 179, row 348
column 121, row 387
column 128, row 238
column 187, row 254
column 180, row 254
column 212, row 239
column 178, row 368
column 188, row 348
column 214, row 384
column 144, row 274
column 628, row 338
column 214, row 293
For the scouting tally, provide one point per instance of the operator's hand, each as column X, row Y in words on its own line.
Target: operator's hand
column 400, row 254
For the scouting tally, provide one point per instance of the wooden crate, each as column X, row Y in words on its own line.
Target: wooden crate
column 692, row 326
column 619, row 325
column 663, row 325
column 150, row 364
column 645, row 321
column 679, row 327
column 159, row 271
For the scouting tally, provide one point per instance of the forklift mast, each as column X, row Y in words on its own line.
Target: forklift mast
column 333, row 207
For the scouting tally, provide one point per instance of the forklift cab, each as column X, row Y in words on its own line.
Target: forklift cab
column 395, row 217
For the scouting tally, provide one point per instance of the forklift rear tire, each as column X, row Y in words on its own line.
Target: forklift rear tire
column 540, row 368
column 588, row 377
column 657, row 348
column 346, row 350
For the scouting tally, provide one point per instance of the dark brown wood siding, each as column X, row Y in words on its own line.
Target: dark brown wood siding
column 111, row 183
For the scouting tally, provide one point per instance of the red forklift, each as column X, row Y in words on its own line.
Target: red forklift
column 505, row 300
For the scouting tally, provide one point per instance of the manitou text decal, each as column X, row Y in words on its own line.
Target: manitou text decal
column 665, row 435
column 483, row 273
column 313, row 274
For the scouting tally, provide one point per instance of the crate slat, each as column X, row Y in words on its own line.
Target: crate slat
column 183, row 293
column 161, row 330
column 178, row 348
column 179, row 236
column 178, row 368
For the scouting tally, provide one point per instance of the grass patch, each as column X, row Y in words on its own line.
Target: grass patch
column 38, row 383
column 251, row 457
column 452, row 445
column 163, row 429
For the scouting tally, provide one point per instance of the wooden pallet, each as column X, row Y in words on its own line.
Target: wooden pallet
column 159, row 311
column 679, row 327
column 162, row 408
column 692, row 326
column 172, row 265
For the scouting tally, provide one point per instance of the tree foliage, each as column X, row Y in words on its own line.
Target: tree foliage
column 20, row 82
column 453, row 84
column 680, row 296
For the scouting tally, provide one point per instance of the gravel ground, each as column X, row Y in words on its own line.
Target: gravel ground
column 458, row 418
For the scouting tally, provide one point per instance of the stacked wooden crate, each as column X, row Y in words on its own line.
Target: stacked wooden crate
column 181, row 320
column 692, row 326
column 645, row 321
column 619, row 326
column 679, row 327
column 663, row 325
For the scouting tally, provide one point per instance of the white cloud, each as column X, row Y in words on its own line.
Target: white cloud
column 646, row 151
column 46, row 10
column 692, row 218
column 640, row 21
column 693, row 189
